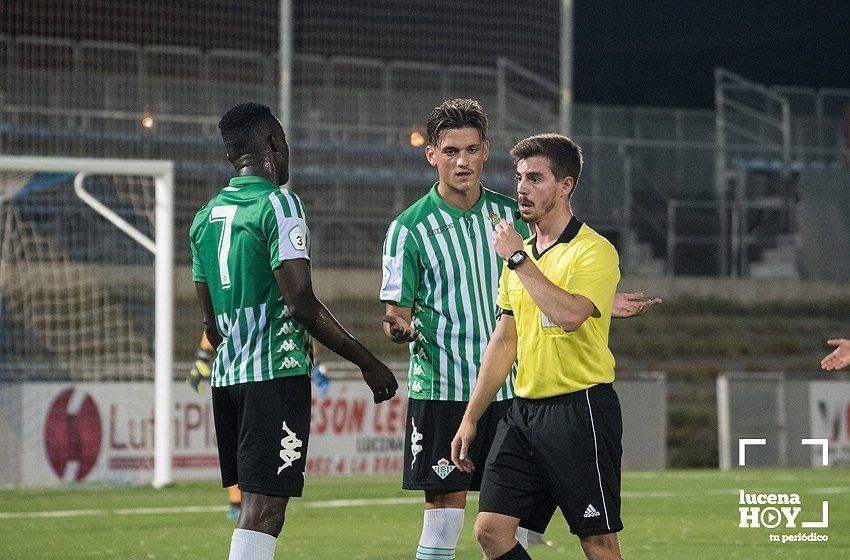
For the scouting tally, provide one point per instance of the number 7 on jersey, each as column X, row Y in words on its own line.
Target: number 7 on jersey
column 224, row 214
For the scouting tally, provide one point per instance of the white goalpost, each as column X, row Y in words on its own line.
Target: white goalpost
column 73, row 291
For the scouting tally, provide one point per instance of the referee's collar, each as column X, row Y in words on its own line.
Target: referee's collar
column 566, row 236
column 455, row 212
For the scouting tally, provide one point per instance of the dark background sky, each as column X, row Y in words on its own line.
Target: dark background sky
column 663, row 53
column 629, row 52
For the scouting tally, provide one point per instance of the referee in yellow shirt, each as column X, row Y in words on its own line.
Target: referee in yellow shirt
column 560, row 444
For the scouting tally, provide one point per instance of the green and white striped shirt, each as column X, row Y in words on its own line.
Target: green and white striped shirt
column 440, row 261
column 238, row 238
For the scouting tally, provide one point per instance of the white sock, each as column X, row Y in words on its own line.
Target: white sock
column 440, row 532
column 522, row 536
column 251, row 545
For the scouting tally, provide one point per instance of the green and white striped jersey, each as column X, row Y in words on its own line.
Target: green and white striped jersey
column 440, row 261
column 238, row 238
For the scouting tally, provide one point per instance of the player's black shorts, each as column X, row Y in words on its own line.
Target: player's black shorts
column 262, row 428
column 562, row 452
column 431, row 427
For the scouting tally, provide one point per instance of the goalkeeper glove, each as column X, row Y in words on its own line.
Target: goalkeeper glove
column 201, row 368
column 320, row 379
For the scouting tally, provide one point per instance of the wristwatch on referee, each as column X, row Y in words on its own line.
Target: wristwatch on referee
column 516, row 258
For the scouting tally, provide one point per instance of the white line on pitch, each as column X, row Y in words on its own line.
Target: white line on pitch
column 350, row 503
column 200, row 509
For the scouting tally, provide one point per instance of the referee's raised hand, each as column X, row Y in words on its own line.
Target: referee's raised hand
column 460, row 446
column 506, row 240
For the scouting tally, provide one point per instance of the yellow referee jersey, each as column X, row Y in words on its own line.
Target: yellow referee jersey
column 551, row 361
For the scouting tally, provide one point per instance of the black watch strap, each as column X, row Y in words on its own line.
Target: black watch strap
column 513, row 263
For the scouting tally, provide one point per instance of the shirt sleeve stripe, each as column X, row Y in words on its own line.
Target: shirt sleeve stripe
column 299, row 205
column 285, row 248
column 293, row 208
column 279, row 215
column 389, row 240
column 394, row 264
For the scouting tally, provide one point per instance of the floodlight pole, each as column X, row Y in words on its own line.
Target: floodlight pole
column 566, row 98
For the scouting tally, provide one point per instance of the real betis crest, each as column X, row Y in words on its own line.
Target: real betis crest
column 443, row 468
column 494, row 218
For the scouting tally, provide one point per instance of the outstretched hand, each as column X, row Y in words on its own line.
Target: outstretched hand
column 840, row 357
column 400, row 330
column 631, row 305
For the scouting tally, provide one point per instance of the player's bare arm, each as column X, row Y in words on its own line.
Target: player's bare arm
column 496, row 364
column 566, row 310
column 296, row 286
column 205, row 301
column 631, row 305
column 397, row 323
column 838, row 358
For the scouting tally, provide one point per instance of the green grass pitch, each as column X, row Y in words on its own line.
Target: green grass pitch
column 689, row 515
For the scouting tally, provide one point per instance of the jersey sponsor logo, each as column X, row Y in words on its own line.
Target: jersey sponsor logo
column 290, row 363
column 591, row 512
column 296, row 237
column 415, row 438
column 286, row 329
column 439, row 230
column 443, row 468
column 285, row 346
column 289, row 448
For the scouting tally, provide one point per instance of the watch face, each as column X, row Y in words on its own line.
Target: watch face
column 516, row 258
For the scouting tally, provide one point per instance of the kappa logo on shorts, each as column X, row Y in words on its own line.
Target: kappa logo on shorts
column 284, row 312
column 290, row 445
column 415, row 438
column 443, row 468
column 591, row 512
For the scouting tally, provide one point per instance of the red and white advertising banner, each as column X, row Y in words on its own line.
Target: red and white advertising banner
column 829, row 414
column 350, row 434
column 104, row 433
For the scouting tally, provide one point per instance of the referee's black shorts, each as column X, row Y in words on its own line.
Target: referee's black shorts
column 564, row 452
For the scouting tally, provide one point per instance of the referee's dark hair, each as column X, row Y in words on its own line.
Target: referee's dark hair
column 456, row 113
column 565, row 156
column 246, row 128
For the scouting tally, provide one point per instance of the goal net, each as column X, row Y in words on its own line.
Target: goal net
column 85, row 277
